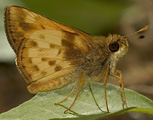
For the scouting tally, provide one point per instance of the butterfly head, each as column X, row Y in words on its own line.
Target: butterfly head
column 117, row 45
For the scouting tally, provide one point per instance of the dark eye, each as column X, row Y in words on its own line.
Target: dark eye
column 114, row 46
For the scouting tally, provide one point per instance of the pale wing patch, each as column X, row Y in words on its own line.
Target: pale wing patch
column 49, row 36
column 40, row 52
column 45, row 53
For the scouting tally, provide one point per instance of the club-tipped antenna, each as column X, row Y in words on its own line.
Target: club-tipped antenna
column 141, row 30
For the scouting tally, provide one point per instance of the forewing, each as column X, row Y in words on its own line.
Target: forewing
column 46, row 50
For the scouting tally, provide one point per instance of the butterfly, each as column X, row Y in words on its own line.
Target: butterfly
column 51, row 55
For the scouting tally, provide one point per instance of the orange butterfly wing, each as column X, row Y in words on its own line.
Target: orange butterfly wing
column 48, row 53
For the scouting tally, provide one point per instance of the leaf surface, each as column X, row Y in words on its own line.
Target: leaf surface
column 42, row 107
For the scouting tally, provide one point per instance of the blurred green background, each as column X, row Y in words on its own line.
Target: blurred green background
column 96, row 17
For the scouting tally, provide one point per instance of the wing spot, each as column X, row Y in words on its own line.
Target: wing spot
column 52, row 62
column 57, row 68
column 27, row 26
column 34, row 44
column 29, row 60
column 44, row 59
column 52, row 46
column 35, row 68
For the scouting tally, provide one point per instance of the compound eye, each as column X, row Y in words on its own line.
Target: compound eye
column 114, row 46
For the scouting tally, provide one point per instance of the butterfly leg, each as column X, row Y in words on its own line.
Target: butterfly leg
column 80, row 86
column 118, row 75
column 67, row 96
column 105, row 82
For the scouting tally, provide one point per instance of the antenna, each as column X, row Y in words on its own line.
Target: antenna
column 141, row 30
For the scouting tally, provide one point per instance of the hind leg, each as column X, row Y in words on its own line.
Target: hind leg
column 80, row 86
column 81, row 81
column 66, row 96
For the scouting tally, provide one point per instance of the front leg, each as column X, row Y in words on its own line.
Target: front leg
column 118, row 74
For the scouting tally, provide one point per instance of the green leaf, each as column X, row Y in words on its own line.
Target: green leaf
column 42, row 107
